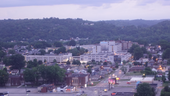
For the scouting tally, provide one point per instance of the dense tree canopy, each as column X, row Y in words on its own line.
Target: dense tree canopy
column 56, row 29
column 17, row 61
column 166, row 54
column 49, row 74
column 60, row 50
column 58, row 44
column 72, row 43
column 144, row 90
column 3, row 77
column 77, row 51
column 137, row 51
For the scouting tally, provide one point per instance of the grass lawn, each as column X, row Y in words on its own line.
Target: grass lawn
column 94, row 83
column 124, row 80
column 166, row 83
column 158, row 78
column 132, row 73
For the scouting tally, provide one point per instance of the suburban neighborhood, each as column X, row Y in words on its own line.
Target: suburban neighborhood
column 110, row 68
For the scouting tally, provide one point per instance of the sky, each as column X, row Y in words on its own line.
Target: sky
column 93, row 10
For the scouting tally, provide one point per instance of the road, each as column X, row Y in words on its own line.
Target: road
column 90, row 91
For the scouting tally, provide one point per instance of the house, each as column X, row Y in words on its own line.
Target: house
column 136, row 69
column 2, row 66
column 159, row 74
column 14, row 80
column 165, row 62
column 95, row 77
column 46, row 88
column 77, row 79
column 14, row 72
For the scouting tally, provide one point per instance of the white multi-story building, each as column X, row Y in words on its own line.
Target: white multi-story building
column 97, row 57
column 107, row 46
column 124, row 55
column 50, row 57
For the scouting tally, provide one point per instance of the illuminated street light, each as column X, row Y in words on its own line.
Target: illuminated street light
column 113, row 75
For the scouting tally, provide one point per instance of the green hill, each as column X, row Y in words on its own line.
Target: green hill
column 54, row 29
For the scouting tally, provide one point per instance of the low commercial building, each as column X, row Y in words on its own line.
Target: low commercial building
column 142, row 79
column 50, row 57
column 137, row 69
column 77, row 80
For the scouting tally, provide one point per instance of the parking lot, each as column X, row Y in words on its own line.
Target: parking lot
column 33, row 92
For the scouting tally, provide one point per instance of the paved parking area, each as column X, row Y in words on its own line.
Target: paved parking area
column 33, row 92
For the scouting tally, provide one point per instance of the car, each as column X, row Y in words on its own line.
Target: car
column 112, row 94
column 128, row 82
column 105, row 90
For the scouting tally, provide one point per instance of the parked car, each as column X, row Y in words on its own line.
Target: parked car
column 128, row 82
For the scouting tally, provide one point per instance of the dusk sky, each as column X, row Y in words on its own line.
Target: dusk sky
column 93, row 10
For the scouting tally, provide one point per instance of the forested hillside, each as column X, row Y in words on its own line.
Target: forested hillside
column 137, row 22
column 55, row 29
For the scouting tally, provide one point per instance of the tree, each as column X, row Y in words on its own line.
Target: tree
column 105, row 63
column 60, row 50
column 169, row 75
column 42, row 52
column 144, row 89
column 31, row 64
column 164, row 44
column 124, row 62
column 78, row 62
column 6, row 61
column 124, row 69
column 2, row 54
column 154, row 58
column 150, row 56
column 45, row 61
column 166, row 54
column 52, row 74
column 117, row 65
column 54, row 60
column 58, row 44
column 74, row 61
column 163, row 78
column 144, row 50
column 131, row 50
column 17, row 61
column 3, row 77
column 11, row 52
column 68, row 62
column 137, row 53
column 40, row 62
column 89, row 70
column 29, row 75
column 72, row 43
column 166, row 88
column 148, row 71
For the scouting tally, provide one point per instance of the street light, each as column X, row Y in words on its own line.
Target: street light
column 26, row 88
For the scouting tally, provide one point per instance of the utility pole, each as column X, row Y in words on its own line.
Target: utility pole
column 26, row 88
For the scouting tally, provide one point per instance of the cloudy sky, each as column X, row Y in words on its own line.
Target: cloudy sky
column 93, row 10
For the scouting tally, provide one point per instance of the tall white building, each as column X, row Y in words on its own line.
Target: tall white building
column 107, row 46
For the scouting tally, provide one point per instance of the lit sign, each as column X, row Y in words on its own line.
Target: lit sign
column 111, row 81
column 117, row 78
